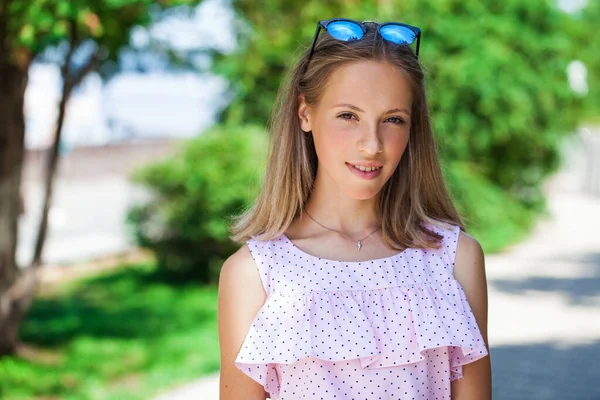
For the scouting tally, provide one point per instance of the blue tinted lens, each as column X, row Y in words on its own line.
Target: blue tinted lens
column 345, row 30
column 397, row 34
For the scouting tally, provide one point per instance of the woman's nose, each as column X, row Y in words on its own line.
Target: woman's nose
column 370, row 142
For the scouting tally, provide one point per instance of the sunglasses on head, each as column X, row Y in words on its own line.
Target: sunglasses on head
column 348, row 30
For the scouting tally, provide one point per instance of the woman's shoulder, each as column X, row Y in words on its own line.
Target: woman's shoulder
column 238, row 262
column 239, row 273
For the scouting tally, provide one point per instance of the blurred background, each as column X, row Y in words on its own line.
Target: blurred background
column 131, row 130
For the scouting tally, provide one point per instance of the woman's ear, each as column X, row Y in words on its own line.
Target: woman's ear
column 304, row 114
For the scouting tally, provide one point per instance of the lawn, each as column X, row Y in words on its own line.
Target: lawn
column 125, row 334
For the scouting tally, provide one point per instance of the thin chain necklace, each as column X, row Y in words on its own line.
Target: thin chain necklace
column 358, row 242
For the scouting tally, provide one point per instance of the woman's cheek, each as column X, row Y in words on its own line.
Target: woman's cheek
column 397, row 139
column 345, row 131
column 337, row 133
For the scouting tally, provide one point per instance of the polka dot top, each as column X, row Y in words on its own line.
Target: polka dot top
column 398, row 327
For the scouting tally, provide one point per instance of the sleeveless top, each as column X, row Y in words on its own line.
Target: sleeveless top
column 398, row 327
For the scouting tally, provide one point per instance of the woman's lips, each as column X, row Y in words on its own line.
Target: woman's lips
column 364, row 174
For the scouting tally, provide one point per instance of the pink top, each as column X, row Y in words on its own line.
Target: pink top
column 398, row 327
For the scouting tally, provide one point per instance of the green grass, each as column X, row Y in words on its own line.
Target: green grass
column 123, row 335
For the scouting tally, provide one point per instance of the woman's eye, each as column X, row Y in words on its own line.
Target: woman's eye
column 346, row 116
column 396, row 120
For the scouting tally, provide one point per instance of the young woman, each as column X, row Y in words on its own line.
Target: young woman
column 357, row 279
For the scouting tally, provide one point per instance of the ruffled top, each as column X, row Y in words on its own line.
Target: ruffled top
column 398, row 327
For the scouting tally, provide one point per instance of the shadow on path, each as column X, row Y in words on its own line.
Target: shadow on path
column 579, row 290
column 546, row 372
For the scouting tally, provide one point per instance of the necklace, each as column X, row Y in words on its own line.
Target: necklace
column 358, row 242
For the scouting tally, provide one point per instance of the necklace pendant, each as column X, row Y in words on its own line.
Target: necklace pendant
column 358, row 244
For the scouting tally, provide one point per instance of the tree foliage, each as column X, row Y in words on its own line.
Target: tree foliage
column 587, row 51
column 34, row 26
column 498, row 89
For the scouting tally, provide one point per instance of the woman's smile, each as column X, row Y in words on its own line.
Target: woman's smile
column 365, row 172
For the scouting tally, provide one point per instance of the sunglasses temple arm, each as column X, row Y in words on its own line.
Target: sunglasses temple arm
column 418, row 43
column 312, row 48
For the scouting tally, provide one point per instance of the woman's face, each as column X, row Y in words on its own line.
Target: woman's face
column 362, row 121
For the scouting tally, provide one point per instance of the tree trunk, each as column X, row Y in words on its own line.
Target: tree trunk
column 16, row 288
column 69, row 83
column 51, row 170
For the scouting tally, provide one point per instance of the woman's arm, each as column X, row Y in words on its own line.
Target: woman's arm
column 241, row 295
column 469, row 271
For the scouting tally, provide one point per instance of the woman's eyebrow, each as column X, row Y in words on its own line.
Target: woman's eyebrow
column 353, row 107
column 395, row 110
column 346, row 105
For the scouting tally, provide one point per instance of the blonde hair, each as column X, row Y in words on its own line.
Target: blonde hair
column 415, row 193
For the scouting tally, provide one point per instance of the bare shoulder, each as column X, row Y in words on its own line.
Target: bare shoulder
column 239, row 268
column 241, row 293
column 469, row 271
column 469, row 257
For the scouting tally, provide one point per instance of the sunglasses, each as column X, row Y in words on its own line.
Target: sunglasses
column 348, row 30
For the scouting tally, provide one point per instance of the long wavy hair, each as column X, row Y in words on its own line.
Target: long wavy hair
column 414, row 195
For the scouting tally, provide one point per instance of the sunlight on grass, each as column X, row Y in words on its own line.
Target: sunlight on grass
column 125, row 334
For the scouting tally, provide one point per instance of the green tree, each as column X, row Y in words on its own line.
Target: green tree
column 268, row 35
column 27, row 29
column 498, row 88
column 587, row 25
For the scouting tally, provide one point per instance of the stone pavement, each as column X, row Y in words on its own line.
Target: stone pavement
column 206, row 388
column 544, row 307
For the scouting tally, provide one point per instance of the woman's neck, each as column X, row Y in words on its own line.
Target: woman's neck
column 343, row 214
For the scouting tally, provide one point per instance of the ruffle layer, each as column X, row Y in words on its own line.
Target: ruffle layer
column 381, row 327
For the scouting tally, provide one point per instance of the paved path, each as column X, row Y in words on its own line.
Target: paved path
column 544, row 307
column 87, row 220
column 91, row 197
column 203, row 389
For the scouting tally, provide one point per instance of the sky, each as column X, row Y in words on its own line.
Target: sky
column 572, row 6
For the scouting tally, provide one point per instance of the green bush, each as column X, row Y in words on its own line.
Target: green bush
column 194, row 193
column 490, row 214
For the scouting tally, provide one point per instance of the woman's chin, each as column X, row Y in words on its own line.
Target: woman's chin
column 363, row 193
